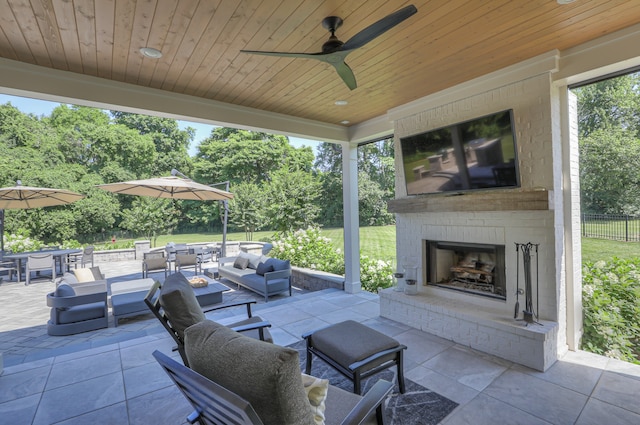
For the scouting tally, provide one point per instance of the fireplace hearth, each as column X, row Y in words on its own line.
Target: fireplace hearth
column 477, row 269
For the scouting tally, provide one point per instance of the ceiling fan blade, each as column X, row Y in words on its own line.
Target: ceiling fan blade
column 345, row 72
column 379, row 28
column 284, row 54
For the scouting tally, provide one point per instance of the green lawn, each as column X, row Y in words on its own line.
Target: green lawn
column 375, row 242
column 603, row 249
column 380, row 243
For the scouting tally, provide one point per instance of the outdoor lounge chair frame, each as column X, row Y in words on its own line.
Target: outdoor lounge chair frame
column 152, row 300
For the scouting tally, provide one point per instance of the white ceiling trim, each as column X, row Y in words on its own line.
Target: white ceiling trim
column 21, row 79
column 605, row 55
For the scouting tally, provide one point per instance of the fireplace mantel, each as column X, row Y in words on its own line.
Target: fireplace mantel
column 494, row 200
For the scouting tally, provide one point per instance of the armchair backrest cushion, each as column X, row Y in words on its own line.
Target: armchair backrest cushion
column 180, row 303
column 67, row 278
column 155, row 263
column 266, row 375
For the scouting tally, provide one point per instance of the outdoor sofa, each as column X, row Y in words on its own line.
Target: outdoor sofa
column 264, row 275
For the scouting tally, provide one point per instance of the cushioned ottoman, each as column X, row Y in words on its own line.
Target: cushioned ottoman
column 356, row 351
column 128, row 304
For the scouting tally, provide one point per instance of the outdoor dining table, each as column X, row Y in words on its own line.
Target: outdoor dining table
column 59, row 254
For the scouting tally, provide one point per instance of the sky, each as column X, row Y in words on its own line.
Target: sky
column 43, row 107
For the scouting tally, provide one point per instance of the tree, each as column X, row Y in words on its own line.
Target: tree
column 150, row 217
column 376, row 182
column 291, row 200
column 609, row 128
column 247, row 208
column 610, row 104
column 171, row 143
column 247, row 156
column 609, row 178
column 372, row 202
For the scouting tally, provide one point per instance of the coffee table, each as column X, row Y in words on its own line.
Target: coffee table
column 127, row 298
column 210, row 294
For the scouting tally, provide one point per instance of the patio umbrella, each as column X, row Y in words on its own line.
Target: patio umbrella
column 173, row 187
column 26, row 197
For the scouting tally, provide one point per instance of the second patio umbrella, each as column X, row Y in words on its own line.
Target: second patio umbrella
column 172, row 187
column 26, row 197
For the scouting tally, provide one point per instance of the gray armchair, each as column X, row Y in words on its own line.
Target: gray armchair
column 72, row 314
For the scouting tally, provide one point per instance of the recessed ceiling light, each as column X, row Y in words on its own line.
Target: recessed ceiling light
column 150, row 52
column 345, row 122
column 565, row 1
column 341, row 102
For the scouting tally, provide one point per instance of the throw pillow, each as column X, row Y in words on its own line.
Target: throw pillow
column 279, row 264
column 241, row 263
column 83, row 275
column 254, row 260
column 316, row 390
column 97, row 274
column 264, row 268
column 180, row 303
column 266, row 375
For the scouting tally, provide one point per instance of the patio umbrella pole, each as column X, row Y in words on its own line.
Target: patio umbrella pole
column 1, row 231
column 225, row 205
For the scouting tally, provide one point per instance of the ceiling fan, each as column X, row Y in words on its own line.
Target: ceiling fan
column 335, row 51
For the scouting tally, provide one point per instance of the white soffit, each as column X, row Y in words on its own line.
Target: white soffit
column 605, row 55
column 33, row 81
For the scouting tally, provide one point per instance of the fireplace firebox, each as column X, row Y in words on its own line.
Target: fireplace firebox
column 467, row 267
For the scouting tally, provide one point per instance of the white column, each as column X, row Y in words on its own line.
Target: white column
column 351, row 222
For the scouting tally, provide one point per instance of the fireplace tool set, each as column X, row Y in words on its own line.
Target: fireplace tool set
column 529, row 314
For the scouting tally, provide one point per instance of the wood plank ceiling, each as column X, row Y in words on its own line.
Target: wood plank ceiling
column 447, row 42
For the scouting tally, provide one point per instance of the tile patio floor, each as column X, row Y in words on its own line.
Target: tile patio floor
column 109, row 376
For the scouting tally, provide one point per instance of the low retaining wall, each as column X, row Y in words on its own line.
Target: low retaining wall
column 314, row 280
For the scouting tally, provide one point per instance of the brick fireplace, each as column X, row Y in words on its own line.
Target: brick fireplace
column 484, row 227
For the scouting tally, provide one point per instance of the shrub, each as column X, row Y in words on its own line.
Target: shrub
column 309, row 249
column 21, row 242
column 375, row 274
column 611, row 308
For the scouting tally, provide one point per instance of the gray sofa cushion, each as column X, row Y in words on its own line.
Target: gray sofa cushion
column 79, row 313
column 180, row 303
column 254, row 259
column 279, row 264
column 266, row 375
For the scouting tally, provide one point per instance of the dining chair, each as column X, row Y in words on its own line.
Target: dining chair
column 40, row 262
column 83, row 258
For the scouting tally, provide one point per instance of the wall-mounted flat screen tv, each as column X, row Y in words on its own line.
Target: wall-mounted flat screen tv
column 472, row 155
